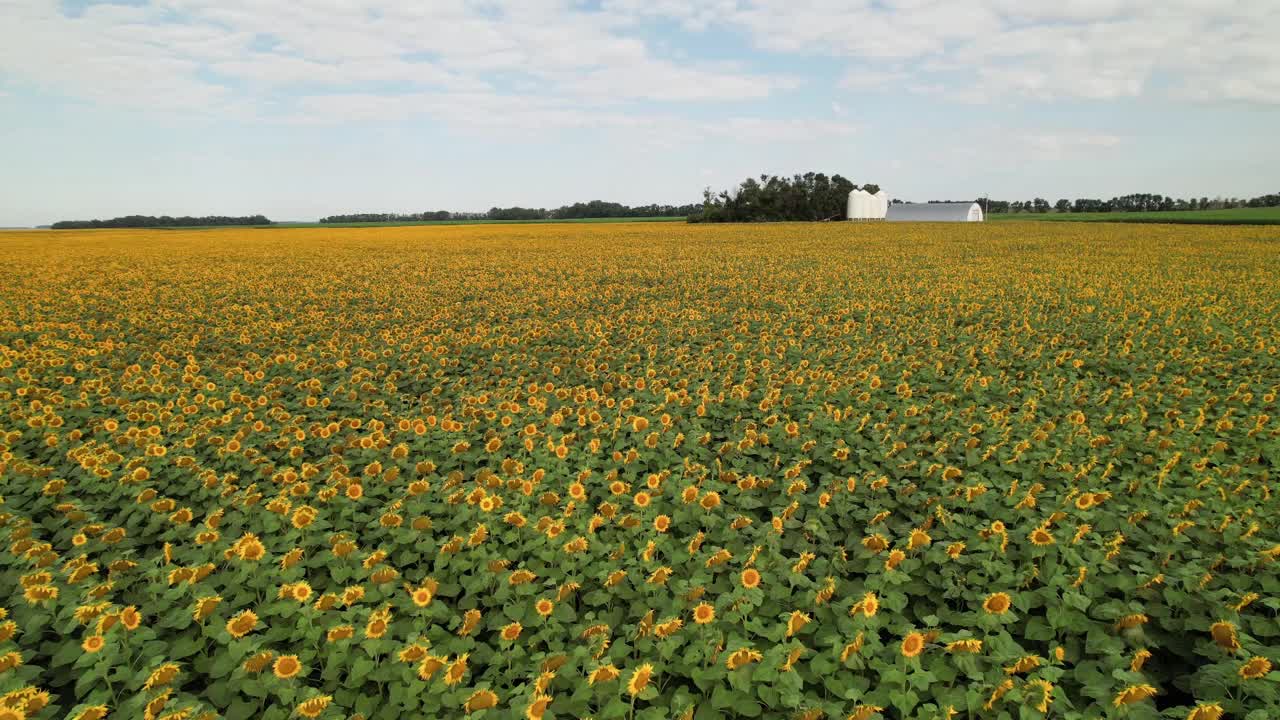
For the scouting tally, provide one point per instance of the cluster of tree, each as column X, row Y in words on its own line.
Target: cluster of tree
column 592, row 209
column 150, row 221
column 602, row 209
column 400, row 217
column 1137, row 202
column 812, row 196
column 517, row 213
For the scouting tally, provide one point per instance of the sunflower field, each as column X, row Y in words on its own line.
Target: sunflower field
column 840, row 471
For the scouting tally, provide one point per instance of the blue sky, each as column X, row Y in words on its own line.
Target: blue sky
column 309, row 107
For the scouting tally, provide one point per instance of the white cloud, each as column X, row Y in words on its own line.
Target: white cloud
column 207, row 52
column 558, row 64
column 1010, row 148
column 490, row 114
column 1096, row 49
column 860, row 79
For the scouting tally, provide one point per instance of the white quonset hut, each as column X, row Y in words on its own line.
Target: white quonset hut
column 865, row 206
column 935, row 212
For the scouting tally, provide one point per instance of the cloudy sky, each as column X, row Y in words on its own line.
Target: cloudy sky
column 300, row 108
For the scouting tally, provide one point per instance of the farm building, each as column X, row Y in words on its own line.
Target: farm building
column 935, row 212
column 865, row 206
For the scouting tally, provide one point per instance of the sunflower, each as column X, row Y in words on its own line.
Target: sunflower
column 1040, row 537
column 377, row 626
column 1129, row 622
column 895, row 558
column 511, row 632
column 1134, row 694
column 640, row 679
column 852, row 648
column 1246, row 600
column 538, row 708
column 1255, row 668
column 242, row 624
column 912, row 645
column 286, row 666
column 156, row 706
column 470, row 620
column 481, row 700
column 130, row 618
column 919, row 538
column 93, row 643
column 1046, row 694
column 741, row 657
column 291, row 558
column 413, row 653
column 456, row 670
column 796, row 622
column 544, row 607
column 869, row 605
column 668, row 628
column 662, row 523
column 997, row 603
column 1210, row 711
column 430, row 665
column 566, row 591
column 1025, row 664
column 96, row 712
column 205, row 607
column 864, row 712
column 162, row 675
column 604, row 673
column 250, row 548
column 258, row 662
column 1140, row 658
column 750, row 578
column 1224, row 634
column 704, row 613
column 314, row 707
column 998, row 693
column 965, row 646
column 875, row 543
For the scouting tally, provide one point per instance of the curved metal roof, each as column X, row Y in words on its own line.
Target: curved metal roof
column 930, row 212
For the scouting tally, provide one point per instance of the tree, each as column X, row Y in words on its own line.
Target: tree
column 146, row 221
column 769, row 198
column 1062, row 206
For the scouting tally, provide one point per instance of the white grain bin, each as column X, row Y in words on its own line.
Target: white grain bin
column 882, row 204
column 935, row 212
column 863, row 206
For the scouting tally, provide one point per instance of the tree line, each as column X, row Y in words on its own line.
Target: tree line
column 401, row 217
column 149, row 221
column 773, row 198
column 576, row 211
column 1136, row 202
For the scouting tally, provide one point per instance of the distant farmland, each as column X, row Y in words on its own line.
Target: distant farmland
column 400, row 223
column 1234, row 216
